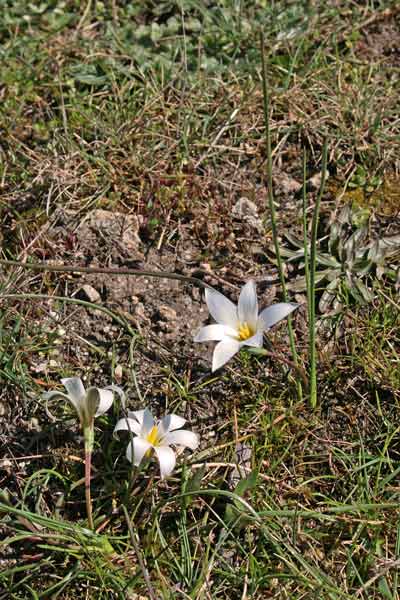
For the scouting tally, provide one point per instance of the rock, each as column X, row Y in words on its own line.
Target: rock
column 245, row 208
column 247, row 211
column 285, row 184
column 140, row 312
column 91, row 293
column 315, row 180
column 167, row 313
column 114, row 229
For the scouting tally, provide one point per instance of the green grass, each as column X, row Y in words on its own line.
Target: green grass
column 156, row 110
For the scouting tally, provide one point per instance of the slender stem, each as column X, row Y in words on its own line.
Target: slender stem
column 140, row 558
column 272, row 206
column 305, row 237
column 89, row 438
column 108, row 271
column 311, row 292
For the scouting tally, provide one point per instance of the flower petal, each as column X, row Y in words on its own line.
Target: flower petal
column 50, row 395
column 256, row 340
column 75, row 403
column 276, row 312
column 166, row 458
column 127, row 424
column 183, row 437
column 74, row 387
column 214, row 333
column 119, row 391
column 147, row 423
column 248, row 305
column 136, row 450
column 223, row 352
column 145, row 420
column 106, row 400
column 169, row 423
column 221, row 309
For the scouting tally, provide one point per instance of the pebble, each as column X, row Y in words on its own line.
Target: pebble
column 91, row 293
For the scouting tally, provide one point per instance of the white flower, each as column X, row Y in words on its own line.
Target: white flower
column 156, row 436
column 239, row 325
column 88, row 403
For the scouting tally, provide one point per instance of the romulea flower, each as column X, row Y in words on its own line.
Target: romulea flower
column 88, row 403
column 239, row 325
column 156, row 436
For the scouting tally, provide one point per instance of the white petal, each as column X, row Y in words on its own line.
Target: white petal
column 166, row 458
column 214, row 333
column 221, row 309
column 145, row 420
column 50, row 395
column 148, row 422
column 76, row 403
column 272, row 314
column 248, row 305
column 256, row 340
column 183, row 438
column 223, row 352
column 120, row 392
column 136, row 450
column 74, row 387
column 128, row 424
column 169, row 423
column 106, row 399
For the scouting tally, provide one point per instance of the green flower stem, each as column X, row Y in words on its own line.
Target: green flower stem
column 88, row 433
column 311, row 291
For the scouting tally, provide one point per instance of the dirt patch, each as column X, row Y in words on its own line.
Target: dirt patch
column 381, row 43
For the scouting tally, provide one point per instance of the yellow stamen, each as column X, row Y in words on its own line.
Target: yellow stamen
column 152, row 436
column 245, row 331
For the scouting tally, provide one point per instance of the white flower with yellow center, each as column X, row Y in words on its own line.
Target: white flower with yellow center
column 240, row 325
column 156, row 436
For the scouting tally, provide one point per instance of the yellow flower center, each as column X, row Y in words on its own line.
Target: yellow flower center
column 152, row 435
column 245, row 331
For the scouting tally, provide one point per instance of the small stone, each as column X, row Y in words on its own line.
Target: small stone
column 140, row 311
column 39, row 368
column 245, row 208
column 286, row 184
column 167, row 313
column 247, row 211
column 91, row 293
column 315, row 180
column 6, row 464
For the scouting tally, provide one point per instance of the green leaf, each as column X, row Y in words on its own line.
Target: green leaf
column 233, row 512
column 193, row 484
column 328, row 296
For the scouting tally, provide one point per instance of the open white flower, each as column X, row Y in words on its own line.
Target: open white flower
column 239, row 325
column 88, row 403
column 156, row 436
